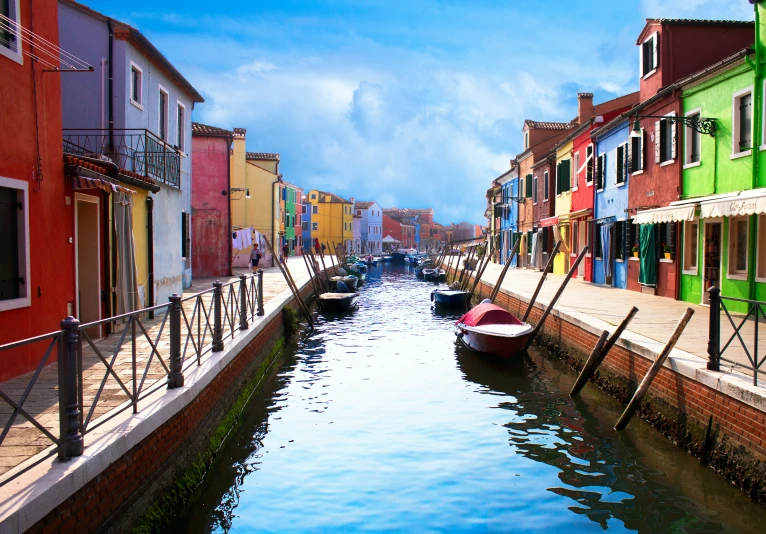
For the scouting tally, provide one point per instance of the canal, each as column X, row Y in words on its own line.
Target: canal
column 378, row 421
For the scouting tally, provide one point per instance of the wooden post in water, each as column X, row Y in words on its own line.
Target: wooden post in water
column 324, row 267
column 555, row 299
column 507, row 265
column 466, row 275
column 449, row 264
column 548, row 268
column 479, row 274
column 598, row 356
column 324, row 283
column 653, row 371
column 291, row 285
column 317, row 290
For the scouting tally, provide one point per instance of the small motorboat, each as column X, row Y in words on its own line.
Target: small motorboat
column 490, row 329
column 338, row 302
column 369, row 260
column 359, row 270
column 420, row 269
column 450, row 297
column 434, row 275
column 386, row 259
column 350, row 281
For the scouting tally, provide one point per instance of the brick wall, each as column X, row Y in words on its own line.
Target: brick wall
column 741, row 423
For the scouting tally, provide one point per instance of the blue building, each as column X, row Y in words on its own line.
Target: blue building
column 612, row 228
column 509, row 183
column 306, row 223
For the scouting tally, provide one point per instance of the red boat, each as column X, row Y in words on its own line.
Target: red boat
column 492, row 330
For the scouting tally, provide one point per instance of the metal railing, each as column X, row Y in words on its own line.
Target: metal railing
column 755, row 312
column 98, row 380
column 135, row 150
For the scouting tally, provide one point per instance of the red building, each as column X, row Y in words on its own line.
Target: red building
column 210, row 201
column 544, row 199
column 37, row 278
column 669, row 50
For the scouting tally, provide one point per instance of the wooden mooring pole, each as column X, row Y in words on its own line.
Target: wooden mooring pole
column 548, row 268
column 291, row 285
column 599, row 353
column 555, row 299
column 479, row 273
column 317, row 289
column 466, row 275
column 653, row 371
column 507, row 265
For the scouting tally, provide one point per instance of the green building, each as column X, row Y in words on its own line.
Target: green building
column 291, row 198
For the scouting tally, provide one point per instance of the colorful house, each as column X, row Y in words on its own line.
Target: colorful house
column 291, row 217
column 211, row 200
column 37, row 208
column 493, row 214
column 371, row 226
column 306, row 223
column 509, row 184
column 564, row 173
column 544, row 204
column 356, row 234
column 331, row 219
column 134, row 109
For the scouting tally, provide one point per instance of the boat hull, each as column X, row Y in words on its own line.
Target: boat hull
column 338, row 302
column 498, row 346
column 450, row 298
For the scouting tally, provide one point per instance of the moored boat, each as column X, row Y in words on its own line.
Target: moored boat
column 338, row 302
column 359, row 270
column 490, row 329
column 450, row 297
column 433, row 275
column 386, row 259
column 420, row 269
column 350, row 281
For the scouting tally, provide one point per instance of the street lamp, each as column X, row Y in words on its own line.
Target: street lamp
column 237, row 190
column 696, row 123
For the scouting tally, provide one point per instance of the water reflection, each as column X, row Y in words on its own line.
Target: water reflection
column 380, row 421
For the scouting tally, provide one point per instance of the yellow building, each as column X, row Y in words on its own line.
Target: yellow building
column 256, row 195
column 331, row 219
column 563, row 206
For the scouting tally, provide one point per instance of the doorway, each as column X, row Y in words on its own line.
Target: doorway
column 87, row 263
column 711, row 273
column 582, row 241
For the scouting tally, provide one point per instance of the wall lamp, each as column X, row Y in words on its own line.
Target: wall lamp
column 237, row 190
column 696, row 123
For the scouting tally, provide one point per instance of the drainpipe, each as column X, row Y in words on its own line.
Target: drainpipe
column 110, row 105
column 228, row 196
column 273, row 198
column 150, row 252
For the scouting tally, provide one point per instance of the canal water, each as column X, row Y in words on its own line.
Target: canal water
column 378, row 421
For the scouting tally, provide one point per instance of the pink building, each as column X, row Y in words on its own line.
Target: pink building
column 210, row 202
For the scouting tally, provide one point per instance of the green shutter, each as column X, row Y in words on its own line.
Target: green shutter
column 566, row 166
column 528, row 186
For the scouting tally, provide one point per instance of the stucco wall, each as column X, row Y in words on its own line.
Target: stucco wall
column 372, row 227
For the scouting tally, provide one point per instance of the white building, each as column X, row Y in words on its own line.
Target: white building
column 371, row 226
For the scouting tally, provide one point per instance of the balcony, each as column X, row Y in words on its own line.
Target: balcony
column 134, row 150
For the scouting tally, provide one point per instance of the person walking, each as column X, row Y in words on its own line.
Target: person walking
column 255, row 257
column 285, row 253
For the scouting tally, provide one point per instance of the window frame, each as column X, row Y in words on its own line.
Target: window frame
column 546, row 186
column 314, row 209
column 644, row 74
column 735, row 274
column 25, row 291
column 760, row 248
column 140, row 102
column 180, row 128
column 621, row 160
column 17, row 56
column 590, row 169
column 685, row 249
column 735, row 120
column 689, row 134
column 163, row 120
column 641, row 159
column 670, row 128
column 575, row 174
column 314, row 226
column 534, row 190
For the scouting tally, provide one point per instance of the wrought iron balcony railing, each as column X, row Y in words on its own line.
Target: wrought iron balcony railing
column 134, row 150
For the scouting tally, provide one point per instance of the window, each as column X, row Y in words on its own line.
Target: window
column 761, row 267
column 10, row 37
column 534, row 190
column 358, row 212
column 314, row 210
column 636, row 153
column 14, row 242
column 575, row 183
column 304, row 226
column 546, row 186
column 181, row 128
column 649, row 58
column 742, row 122
column 136, row 85
column 163, row 118
column 526, row 140
column 619, row 240
column 622, row 167
column 691, row 236
column 664, row 141
column 313, row 196
column 304, row 209
column 596, row 238
column 666, row 240
column 632, row 239
column 738, row 246
column 575, row 248
column 589, row 165
column 185, row 235
column 692, row 141
column 563, row 176
column 600, row 171
column 315, row 226
column 528, row 186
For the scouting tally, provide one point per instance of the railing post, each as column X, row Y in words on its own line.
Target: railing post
column 243, row 302
column 217, row 317
column 259, row 289
column 72, row 443
column 714, row 330
column 176, row 377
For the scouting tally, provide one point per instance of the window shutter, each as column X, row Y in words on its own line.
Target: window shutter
column 673, row 140
column 629, row 155
column 642, row 151
column 619, row 162
column 627, row 245
column 641, row 61
column 567, row 174
column 657, row 143
column 656, row 48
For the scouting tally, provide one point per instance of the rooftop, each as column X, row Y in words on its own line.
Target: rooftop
column 262, row 156
column 363, row 205
column 535, row 125
column 209, row 131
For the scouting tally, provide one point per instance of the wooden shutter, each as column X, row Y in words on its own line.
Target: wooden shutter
column 627, row 245
column 657, row 127
column 656, row 50
column 629, row 155
column 673, row 140
column 620, row 164
column 642, row 152
column 567, row 174
column 185, row 235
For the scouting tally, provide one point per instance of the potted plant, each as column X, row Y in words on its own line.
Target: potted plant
column 635, row 250
column 666, row 250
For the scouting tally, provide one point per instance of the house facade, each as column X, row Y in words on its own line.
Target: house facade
column 509, row 184
column 544, row 204
column 331, row 219
column 135, row 108
column 211, row 200
column 371, row 226
column 291, row 218
column 561, row 230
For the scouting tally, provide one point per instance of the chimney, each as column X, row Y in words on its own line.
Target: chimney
column 585, row 107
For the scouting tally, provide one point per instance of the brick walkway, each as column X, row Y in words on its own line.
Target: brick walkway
column 24, row 440
column 656, row 318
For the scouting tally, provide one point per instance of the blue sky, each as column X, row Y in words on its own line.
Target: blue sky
column 410, row 103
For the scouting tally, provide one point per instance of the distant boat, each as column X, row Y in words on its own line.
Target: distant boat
column 338, row 302
column 350, row 281
column 490, row 329
column 421, row 269
column 450, row 297
column 386, row 259
column 434, row 275
column 401, row 254
column 357, row 269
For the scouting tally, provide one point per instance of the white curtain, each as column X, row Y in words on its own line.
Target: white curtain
column 606, row 249
column 126, row 283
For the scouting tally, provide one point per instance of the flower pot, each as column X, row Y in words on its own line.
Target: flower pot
column 667, row 255
column 635, row 254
